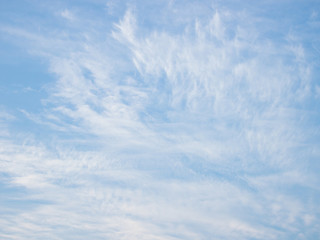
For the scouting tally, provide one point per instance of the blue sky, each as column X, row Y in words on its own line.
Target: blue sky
column 159, row 119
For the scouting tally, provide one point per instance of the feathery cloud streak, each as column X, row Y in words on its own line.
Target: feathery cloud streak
column 194, row 123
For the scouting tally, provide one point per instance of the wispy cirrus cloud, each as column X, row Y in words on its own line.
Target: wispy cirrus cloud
column 202, row 127
column 67, row 14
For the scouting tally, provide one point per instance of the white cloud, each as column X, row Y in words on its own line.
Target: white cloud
column 196, row 134
column 67, row 14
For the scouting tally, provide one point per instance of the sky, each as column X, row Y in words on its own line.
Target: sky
column 162, row 119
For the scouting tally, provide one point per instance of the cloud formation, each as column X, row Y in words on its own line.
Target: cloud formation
column 199, row 122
